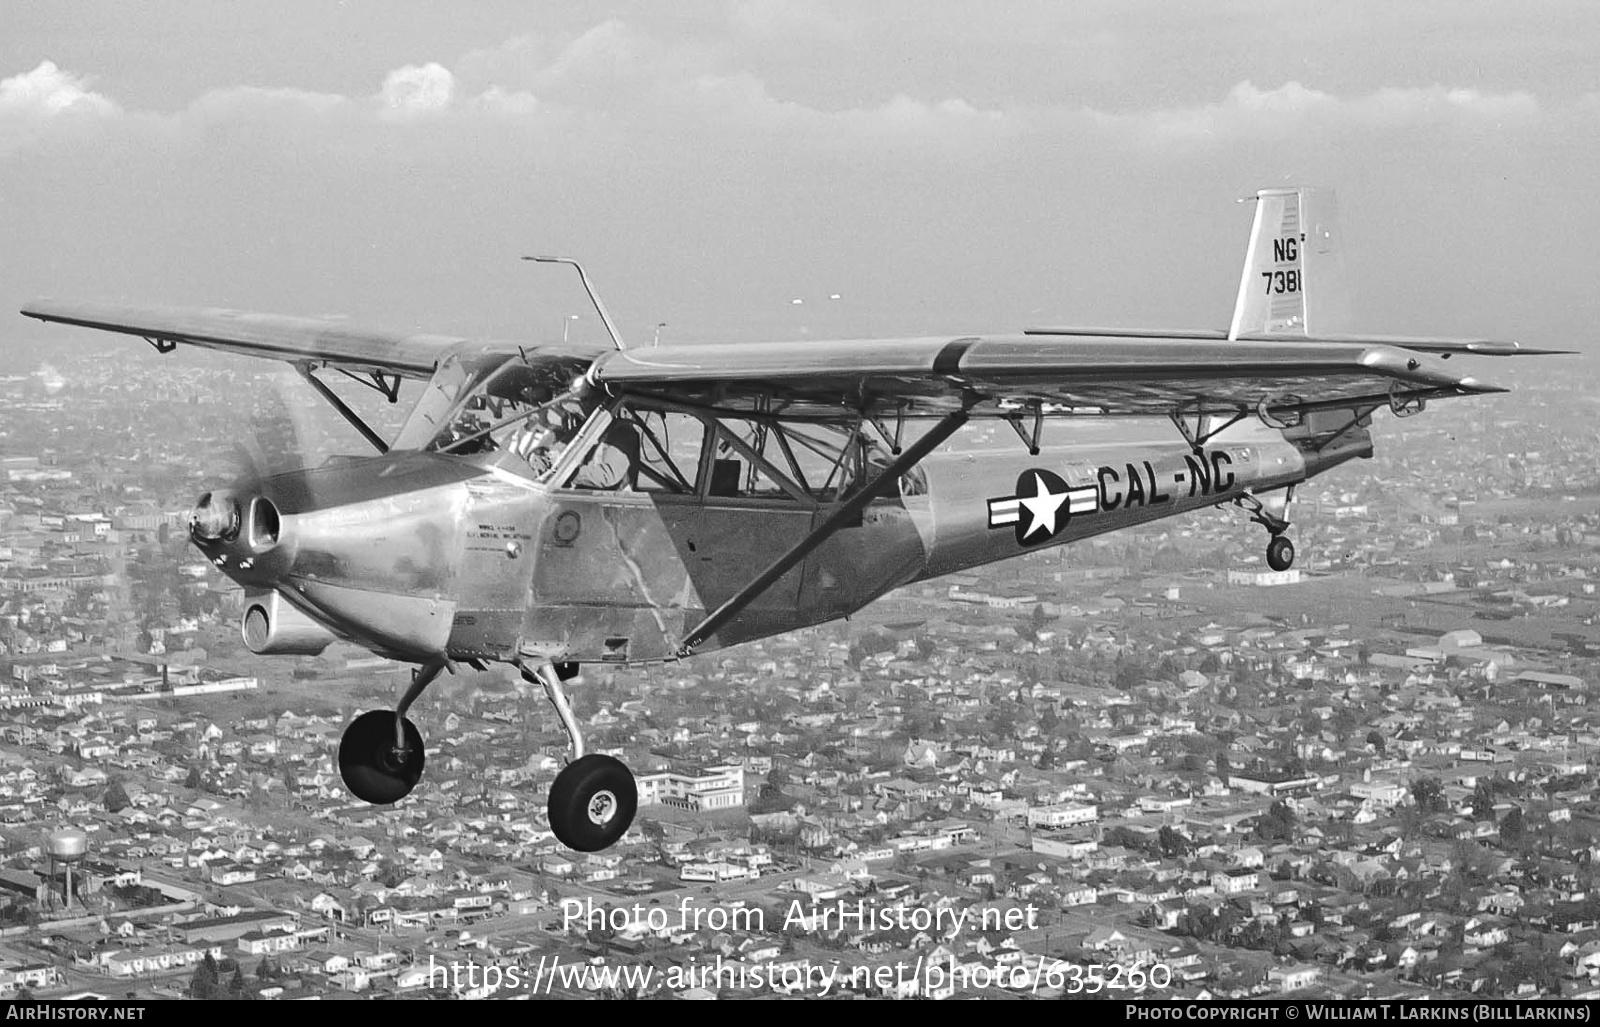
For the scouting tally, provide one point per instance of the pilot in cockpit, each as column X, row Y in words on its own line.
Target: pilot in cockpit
column 614, row 464
column 470, row 433
column 540, row 441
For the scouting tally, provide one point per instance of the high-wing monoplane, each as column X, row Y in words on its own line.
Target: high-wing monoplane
column 551, row 505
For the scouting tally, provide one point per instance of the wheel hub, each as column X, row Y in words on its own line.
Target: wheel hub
column 602, row 808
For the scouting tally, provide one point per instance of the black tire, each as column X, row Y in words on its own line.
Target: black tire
column 1280, row 553
column 592, row 803
column 367, row 760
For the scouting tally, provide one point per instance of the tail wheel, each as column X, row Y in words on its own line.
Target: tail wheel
column 372, row 768
column 592, row 803
column 1280, row 553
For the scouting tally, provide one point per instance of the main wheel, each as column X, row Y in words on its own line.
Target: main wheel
column 372, row 769
column 592, row 803
column 1280, row 553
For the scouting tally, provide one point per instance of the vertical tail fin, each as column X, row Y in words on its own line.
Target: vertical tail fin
column 1294, row 249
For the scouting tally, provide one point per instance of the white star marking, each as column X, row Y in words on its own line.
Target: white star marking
column 1043, row 506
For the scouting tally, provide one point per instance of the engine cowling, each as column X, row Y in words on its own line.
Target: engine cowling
column 273, row 627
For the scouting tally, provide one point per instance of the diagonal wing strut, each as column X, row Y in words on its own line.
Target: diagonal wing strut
column 934, row 437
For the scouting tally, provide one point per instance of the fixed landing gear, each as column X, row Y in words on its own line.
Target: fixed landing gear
column 592, row 802
column 380, row 753
column 594, row 798
column 374, row 768
column 1280, row 550
column 1280, row 553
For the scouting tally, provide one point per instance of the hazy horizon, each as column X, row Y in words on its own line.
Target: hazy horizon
column 940, row 168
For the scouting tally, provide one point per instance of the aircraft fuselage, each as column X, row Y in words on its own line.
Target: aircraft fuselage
column 419, row 555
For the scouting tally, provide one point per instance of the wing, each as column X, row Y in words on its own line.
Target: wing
column 294, row 339
column 1077, row 373
column 1425, row 344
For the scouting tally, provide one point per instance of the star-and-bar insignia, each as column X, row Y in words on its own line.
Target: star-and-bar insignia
column 1042, row 506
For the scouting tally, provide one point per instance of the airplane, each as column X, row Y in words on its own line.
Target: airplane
column 551, row 505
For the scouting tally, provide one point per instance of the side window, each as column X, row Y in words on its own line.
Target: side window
column 642, row 451
column 670, row 445
column 735, row 472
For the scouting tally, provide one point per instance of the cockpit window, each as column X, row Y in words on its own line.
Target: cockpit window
column 518, row 409
column 455, row 377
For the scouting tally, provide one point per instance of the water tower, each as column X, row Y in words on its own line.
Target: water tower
column 67, row 847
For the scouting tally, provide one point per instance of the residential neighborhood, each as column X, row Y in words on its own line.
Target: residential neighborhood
column 1371, row 777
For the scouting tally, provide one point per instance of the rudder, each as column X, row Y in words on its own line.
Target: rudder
column 1294, row 245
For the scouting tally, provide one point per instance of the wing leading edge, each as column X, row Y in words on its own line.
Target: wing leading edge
column 294, row 339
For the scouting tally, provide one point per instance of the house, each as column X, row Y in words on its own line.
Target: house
column 1484, row 932
column 328, row 906
column 1248, row 857
column 1293, row 977
column 1235, row 882
column 324, row 962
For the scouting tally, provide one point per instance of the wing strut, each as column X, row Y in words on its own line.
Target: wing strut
column 842, row 515
column 344, row 411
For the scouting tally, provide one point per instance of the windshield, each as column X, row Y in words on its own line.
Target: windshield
column 456, row 376
column 509, row 406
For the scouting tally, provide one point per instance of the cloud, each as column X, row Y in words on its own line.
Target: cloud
column 47, row 91
column 417, row 89
column 248, row 102
column 1249, row 110
column 785, row 20
column 614, row 80
column 516, row 103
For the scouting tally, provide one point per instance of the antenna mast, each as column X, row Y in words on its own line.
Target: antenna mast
column 594, row 297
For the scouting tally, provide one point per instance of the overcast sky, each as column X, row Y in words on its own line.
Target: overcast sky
column 941, row 167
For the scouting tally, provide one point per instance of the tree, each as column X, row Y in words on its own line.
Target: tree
column 1277, row 824
column 1173, row 842
column 116, row 798
column 237, row 987
column 1375, row 740
column 194, row 780
column 203, row 982
column 1428, row 794
column 1513, row 830
column 1483, row 800
column 1002, row 718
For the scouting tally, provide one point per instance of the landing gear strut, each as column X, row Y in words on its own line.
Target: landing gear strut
column 380, row 753
column 594, row 798
column 1280, row 550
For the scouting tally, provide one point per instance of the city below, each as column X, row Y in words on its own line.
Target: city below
column 1142, row 766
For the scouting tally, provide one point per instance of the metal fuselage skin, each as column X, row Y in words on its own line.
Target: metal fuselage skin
column 418, row 555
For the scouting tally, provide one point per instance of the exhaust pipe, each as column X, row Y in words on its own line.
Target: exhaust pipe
column 272, row 627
